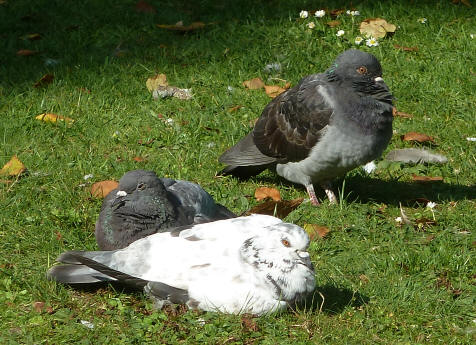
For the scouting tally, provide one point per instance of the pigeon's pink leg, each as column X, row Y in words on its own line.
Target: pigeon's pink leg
column 312, row 194
column 329, row 192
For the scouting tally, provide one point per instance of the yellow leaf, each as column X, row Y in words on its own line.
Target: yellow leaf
column 316, row 231
column 183, row 28
column 14, row 167
column 266, row 192
column 153, row 83
column 273, row 90
column 49, row 117
column 376, row 27
column 253, row 84
column 103, row 188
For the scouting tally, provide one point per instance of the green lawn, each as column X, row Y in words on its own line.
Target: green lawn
column 382, row 282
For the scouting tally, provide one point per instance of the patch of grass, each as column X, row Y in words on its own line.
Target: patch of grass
column 382, row 283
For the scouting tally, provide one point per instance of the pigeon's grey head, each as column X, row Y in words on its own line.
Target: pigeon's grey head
column 280, row 255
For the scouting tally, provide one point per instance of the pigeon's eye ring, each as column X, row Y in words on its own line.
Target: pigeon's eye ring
column 285, row 243
column 141, row 186
column 362, row 70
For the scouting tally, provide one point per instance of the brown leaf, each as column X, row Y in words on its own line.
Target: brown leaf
column 273, row 90
column 38, row 306
column 45, row 80
column 235, row 108
column 14, row 167
column 364, row 279
column 415, row 136
column 26, row 52
column 153, row 83
column 425, row 222
column 262, row 193
column 53, row 118
column 253, row 84
column 144, row 7
column 180, row 27
column 337, row 12
column 406, row 49
column 59, row 237
column 401, row 114
column 333, row 23
column 376, row 27
column 279, row 209
column 248, row 324
column 102, row 188
column 417, row 178
column 316, row 231
column 139, row 159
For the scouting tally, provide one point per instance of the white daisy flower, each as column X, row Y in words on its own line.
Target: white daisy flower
column 311, row 25
column 421, row 20
column 399, row 220
column 340, row 33
column 370, row 167
column 88, row 176
column 358, row 40
column 353, row 13
column 303, row 14
column 371, row 42
column 431, row 204
column 320, row 13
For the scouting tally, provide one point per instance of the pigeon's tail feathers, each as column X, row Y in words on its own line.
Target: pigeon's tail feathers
column 164, row 292
column 245, row 153
column 76, row 274
column 223, row 213
column 243, row 172
column 74, row 256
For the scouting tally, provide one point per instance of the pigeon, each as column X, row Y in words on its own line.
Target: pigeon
column 143, row 204
column 255, row 264
column 325, row 126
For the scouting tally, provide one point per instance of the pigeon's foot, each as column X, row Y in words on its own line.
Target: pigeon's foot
column 312, row 194
column 329, row 192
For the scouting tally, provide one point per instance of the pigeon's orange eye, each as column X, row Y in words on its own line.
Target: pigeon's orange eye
column 285, row 243
column 362, row 70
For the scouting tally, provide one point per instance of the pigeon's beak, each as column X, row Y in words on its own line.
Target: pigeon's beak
column 305, row 259
column 378, row 79
column 119, row 198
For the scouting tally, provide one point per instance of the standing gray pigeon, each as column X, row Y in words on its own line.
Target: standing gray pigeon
column 320, row 129
column 253, row 264
column 143, row 204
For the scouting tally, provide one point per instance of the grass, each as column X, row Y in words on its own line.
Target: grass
column 382, row 283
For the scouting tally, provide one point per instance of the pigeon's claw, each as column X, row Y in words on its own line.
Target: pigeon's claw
column 329, row 192
column 312, row 194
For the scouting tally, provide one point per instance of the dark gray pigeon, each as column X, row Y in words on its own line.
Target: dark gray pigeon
column 255, row 264
column 143, row 204
column 320, row 129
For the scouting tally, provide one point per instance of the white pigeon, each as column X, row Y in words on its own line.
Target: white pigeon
column 255, row 264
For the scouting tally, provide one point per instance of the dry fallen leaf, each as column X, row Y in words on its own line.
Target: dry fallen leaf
column 417, row 178
column 33, row 37
column 279, row 209
column 262, row 193
column 333, row 23
column 145, row 7
column 45, row 80
column 26, row 52
column 406, row 49
column 139, row 159
column 316, row 231
column 364, row 279
column 235, row 108
column 248, row 323
column 49, row 117
column 415, row 136
column 376, row 27
column 182, row 28
column 253, row 84
column 38, row 306
column 14, row 167
column 153, row 83
column 395, row 112
column 336, row 12
column 273, row 90
column 102, row 188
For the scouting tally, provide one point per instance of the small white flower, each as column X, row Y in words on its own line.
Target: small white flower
column 121, row 193
column 211, row 144
column 229, row 88
column 275, row 66
column 472, row 35
column 370, row 167
column 371, row 42
column 358, row 40
column 87, row 324
column 421, row 20
column 348, row 12
column 311, row 25
column 320, row 13
column 340, row 33
column 399, row 220
column 303, row 14
column 87, row 177
column 431, row 204
column 169, row 121
column 353, row 13
column 471, row 139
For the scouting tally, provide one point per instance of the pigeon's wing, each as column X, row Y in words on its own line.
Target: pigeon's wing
column 294, row 122
column 245, row 153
